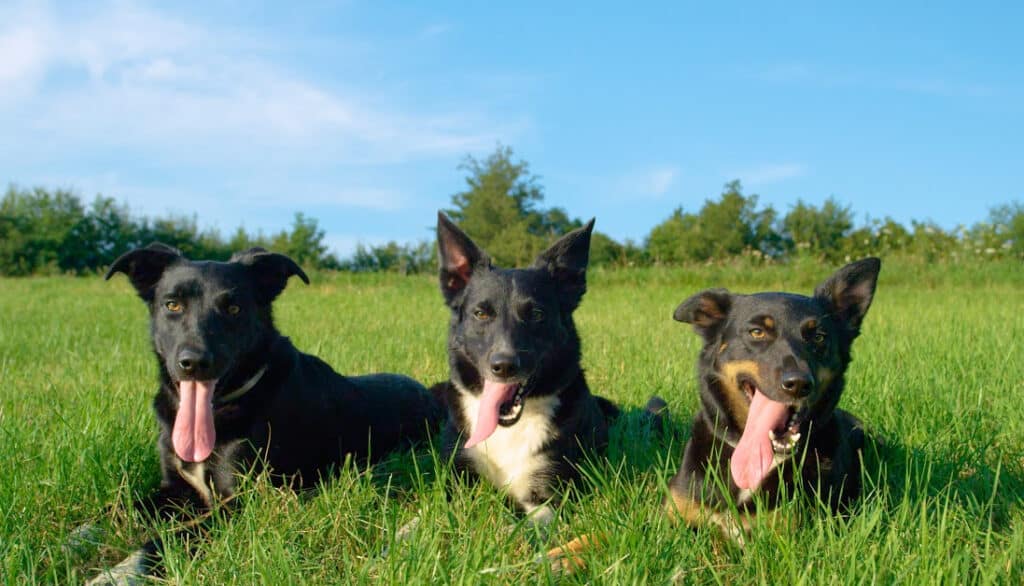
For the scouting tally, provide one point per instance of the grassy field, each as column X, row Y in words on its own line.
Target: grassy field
column 938, row 374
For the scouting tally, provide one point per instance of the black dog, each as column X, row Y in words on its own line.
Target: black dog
column 519, row 404
column 771, row 374
column 235, row 394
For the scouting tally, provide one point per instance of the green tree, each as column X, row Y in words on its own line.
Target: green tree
column 242, row 240
column 1003, row 233
column 34, row 229
column 104, row 232
column 179, row 231
column 401, row 258
column 498, row 208
column 604, row 251
column 733, row 225
column 876, row 238
column 675, row 240
column 727, row 227
column 818, row 231
column 305, row 244
column 931, row 243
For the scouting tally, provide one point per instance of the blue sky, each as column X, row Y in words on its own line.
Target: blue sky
column 359, row 113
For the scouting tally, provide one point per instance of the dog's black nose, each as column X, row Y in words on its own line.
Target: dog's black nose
column 797, row 383
column 504, row 365
column 191, row 362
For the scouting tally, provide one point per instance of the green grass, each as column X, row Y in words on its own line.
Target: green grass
column 938, row 374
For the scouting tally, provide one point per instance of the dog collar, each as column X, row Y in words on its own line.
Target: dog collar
column 249, row 384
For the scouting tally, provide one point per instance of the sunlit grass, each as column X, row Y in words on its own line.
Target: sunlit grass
column 937, row 377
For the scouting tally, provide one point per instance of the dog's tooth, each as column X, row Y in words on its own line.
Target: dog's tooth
column 771, row 435
column 795, row 437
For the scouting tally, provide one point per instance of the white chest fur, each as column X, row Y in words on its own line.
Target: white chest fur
column 195, row 475
column 510, row 457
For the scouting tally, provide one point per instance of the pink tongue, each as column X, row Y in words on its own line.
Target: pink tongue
column 753, row 456
column 490, row 405
column 194, row 435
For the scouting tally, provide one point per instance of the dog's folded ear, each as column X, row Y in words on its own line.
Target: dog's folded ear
column 144, row 267
column 458, row 258
column 270, row 270
column 706, row 311
column 567, row 261
column 848, row 292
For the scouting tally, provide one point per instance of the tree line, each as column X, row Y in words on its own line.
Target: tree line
column 46, row 232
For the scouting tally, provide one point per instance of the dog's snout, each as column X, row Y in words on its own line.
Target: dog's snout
column 504, row 364
column 797, row 383
column 191, row 361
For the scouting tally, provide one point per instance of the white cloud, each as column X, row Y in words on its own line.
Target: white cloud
column 25, row 48
column 129, row 77
column 173, row 115
column 435, row 30
column 660, row 180
column 768, row 173
column 651, row 182
column 23, row 52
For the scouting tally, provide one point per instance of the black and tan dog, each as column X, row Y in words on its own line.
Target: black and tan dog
column 521, row 414
column 771, row 375
column 235, row 395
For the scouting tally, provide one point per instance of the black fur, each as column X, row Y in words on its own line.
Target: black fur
column 516, row 325
column 301, row 419
column 795, row 349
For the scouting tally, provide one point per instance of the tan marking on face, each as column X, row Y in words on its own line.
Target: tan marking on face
column 736, row 400
column 723, row 347
column 811, row 325
column 769, row 323
column 825, row 376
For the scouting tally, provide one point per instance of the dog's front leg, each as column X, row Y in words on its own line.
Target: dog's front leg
column 179, row 496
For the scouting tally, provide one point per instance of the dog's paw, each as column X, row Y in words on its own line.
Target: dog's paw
column 84, row 538
column 130, row 572
column 403, row 533
column 566, row 559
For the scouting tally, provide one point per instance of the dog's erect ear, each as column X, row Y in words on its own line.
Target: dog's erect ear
column 706, row 311
column 567, row 261
column 270, row 271
column 458, row 258
column 848, row 293
column 144, row 267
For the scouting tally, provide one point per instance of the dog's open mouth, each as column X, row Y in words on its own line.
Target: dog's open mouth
column 786, row 434
column 772, row 429
column 511, row 410
column 499, row 403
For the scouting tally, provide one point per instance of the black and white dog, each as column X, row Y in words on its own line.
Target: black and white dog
column 521, row 414
column 234, row 394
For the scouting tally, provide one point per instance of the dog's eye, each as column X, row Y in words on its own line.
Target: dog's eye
column 174, row 306
column 757, row 333
column 481, row 314
column 234, row 309
column 820, row 337
column 537, row 314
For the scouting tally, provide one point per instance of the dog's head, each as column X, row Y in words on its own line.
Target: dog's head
column 206, row 317
column 773, row 363
column 511, row 327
